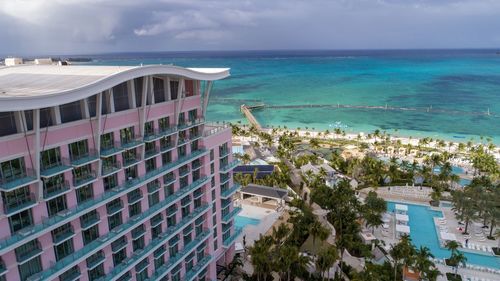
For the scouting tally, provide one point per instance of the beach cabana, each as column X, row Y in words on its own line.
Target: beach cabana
column 402, row 229
column 401, row 209
column 402, row 219
column 264, row 193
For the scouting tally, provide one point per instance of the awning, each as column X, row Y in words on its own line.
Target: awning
column 402, row 228
column 446, row 236
column 401, row 217
column 264, row 191
column 401, row 207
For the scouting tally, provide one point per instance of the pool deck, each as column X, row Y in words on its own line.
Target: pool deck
column 267, row 219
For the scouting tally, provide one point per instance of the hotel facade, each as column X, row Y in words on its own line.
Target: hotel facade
column 112, row 173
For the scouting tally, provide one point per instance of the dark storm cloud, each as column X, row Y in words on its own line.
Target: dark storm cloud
column 86, row 26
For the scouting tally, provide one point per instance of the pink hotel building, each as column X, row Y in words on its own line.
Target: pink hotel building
column 111, row 173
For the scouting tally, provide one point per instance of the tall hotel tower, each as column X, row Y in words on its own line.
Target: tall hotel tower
column 111, row 173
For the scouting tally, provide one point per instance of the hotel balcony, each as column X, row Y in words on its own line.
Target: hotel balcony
column 134, row 196
column 114, row 208
column 110, row 168
column 84, row 179
column 72, row 213
column 112, row 149
column 154, row 245
column 84, row 159
column 152, row 152
column 198, row 268
column 228, row 216
column 132, row 142
column 186, row 124
column 22, row 179
column 99, row 244
column 95, row 260
column 212, row 128
column 52, row 169
column 71, row 275
column 130, row 161
column 63, row 235
column 159, row 133
column 228, row 192
column 33, row 249
column 226, row 167
column 15, row 205
column 167, row 146
column 55, row 190
column 89, row 220
column 228, row 240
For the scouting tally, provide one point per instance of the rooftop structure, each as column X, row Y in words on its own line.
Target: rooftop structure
column 108, row 173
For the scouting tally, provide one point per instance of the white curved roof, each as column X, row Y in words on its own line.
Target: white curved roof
column 37, row 86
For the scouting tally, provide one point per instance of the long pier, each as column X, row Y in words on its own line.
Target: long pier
column 247, row 111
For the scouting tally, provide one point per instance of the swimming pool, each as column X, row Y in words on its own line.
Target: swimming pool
column 241, row 221
column 423, row 233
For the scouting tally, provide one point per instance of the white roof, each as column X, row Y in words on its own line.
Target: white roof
column 401, row 217
column 37, row 86
column 448, row 236
column 402, row 228
column 401, row 207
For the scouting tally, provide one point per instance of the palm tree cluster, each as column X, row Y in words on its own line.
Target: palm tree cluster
column 479, row 201
column 279, row 251
column 484, row 162
column 280, row 177
column 457, row 258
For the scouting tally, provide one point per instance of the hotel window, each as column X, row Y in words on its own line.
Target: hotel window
column 211, row 155
column 164, row 123
column 138, row 91
column 84, row 193
column 119, row 257
column 159, row 258
column 188, row 262
column 183, row 182
column 192, row 115
column 134, row 209
column 19, row 196
column 156, row 231
column 8, row 121
column 47, row 117
column 200, row 251
column 90, row 234
column 64, row 249
column 71, row 112
column 96, row 273
column 173, row 246
column 12, row 169
column 61, row 232
column 56, row 205
column 78, row 149
column 107, row 141
column 169, row 190
column 70, row 274
column 196, row 175
column 166, row 158
column 182, row 121
column 92, row 104
column 51, row 158
column 187, row 238
column 130, row 157
column 53, row 184
column 174, row 87
column 159, row 90
column 83, row 173
column 141, row 270
column 110, row 182
column 166, row 143
column 125, row 277
column 138, row 244
column 150, row 165
column 181, row 151
column 106, row 102
column 30, row 268
column 120, row 97
column 149, row 128
column 127, row 135
column 171, row 219
column 189, row 88
column 215, row 245
column 131, row 172
column 20, row 220
column 115, row 220
column 194, row 145
column 154, row 199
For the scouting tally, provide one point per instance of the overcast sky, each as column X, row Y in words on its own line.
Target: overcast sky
column 94, row 26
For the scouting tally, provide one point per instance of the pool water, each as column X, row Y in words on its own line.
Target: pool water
column 423, row 233
column 242, row 221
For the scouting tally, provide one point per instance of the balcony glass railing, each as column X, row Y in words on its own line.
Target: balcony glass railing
column 198, row 268
column 124, row 228
column 228, row 216
column 152, row 152
column 84, row 179
column 156, row 243
column 114, row 208
column 110, row 168
column 89, row 220
column 228, row 192
column 84, row 158
column 55, row 168
column 13, row 205
column 228, row 241
column 186, row 124
column 49, row 223
column 159, row 133
column 95, row 260
column 132, row 142
column 228, row 167
column 29, row 252
column 130, row 161
column 55, row 190
column 111, row 149
column 23, row 178
column 134, row 197
column 63, row 235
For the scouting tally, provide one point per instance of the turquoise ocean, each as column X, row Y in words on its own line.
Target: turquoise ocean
column 451, row 90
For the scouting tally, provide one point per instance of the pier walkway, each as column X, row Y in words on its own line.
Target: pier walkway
column 247, row 111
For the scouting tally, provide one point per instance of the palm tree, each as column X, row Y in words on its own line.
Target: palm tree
column 317, row 230
column 287, row 256
column 327, row 257
column 314, row 143
column 232, row 268
column 423, row 264
column 260, row 256
column 402, row 253
column 280, row 233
